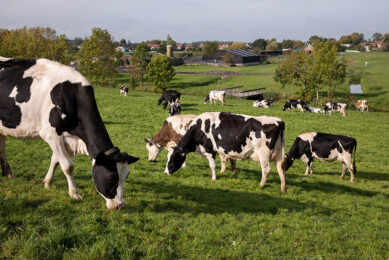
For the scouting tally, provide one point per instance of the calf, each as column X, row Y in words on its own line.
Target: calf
column 293, row 103
column 169, row 96
column 175, row 108
column 236, row 137
column 335, row 107
column 362, row 105
column 263, row 103
column 314, row 110
column 324, row 147
column 123, row 90
column 44, row 99
column 170, row 135
column 216, row 95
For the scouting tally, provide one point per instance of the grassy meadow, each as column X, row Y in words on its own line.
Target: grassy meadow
column 189, row 216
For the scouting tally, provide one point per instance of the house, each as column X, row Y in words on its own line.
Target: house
column 309, row 48
column 153, row 46
column 237, row 57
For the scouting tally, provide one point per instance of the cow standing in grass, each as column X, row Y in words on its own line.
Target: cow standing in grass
column 170, row 135
column 169, row 96
column 324, row 147
column 362, row 104
column 297, row 104
column 216, row 95
column 44, row 99
column 236, row 137
column 335, row 107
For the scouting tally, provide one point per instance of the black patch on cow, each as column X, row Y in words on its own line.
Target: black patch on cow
column 292, row 103
column 169, row 96
column 105, row 176
column 207, row 125
column 11, row 77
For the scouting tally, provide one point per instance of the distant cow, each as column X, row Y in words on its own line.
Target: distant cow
column 216, row 95
column 335, row 107
column 324, row 147
column 225, row 77
column 314, row 110
column 44, row 99
column 175, row 108
column 366, row 63
column 169, row 96
column 170, row 135
column 263, row 103
column 293, row 103
column 362, row 105
column 123, row 90
column 235, row 137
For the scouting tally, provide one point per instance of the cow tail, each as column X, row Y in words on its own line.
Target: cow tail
column 355, row 151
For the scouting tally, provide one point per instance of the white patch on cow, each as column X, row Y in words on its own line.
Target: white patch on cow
column 308, row 136
column 63, row 116
column 14, row 92
column 4, row 58
column 219, row 136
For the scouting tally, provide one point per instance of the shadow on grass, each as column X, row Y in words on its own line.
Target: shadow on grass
column 197, row 200
column 186, row 85
column 359, row 175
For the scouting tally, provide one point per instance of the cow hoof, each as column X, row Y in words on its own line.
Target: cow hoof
column 283, row 189
column 10, row 176
column 167, row 173
column 352, row 180
column 76, row 196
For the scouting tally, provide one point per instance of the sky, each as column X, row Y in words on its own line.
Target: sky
column 200, row 20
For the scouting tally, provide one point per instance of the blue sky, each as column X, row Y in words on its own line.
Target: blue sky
column 198, row 20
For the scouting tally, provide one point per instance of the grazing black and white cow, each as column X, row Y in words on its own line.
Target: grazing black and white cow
column 263, row 103
column 175, row 108
column 324, row 147
column 44, row 99
column 335, row 107
column 236, row 137
column 216, row 95
column 169, row 96
column 314, row 110
column 171, row 133
column 293, row 103
column 124, row 90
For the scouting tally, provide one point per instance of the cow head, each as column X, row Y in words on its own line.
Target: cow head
column 206, row 100
column 109, row 174
column 288, row 161
column 176, row 160
column 175, row 108
column 153, row 148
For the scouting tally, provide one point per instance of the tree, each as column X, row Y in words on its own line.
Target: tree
column 377, row 37
column 139, row 62
column 385, row 44
column 287, row 44
column 259, row 45
column 161, row 71
column 315, row 38
column 282, row 75
column 238, row 45
column 272, row 46
column 329, row 70
column 34, row 43
column 98, row 58
column 210, row 47
column 123, row 42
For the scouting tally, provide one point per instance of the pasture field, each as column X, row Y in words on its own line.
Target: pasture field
column 374, row 80
column 189, row 216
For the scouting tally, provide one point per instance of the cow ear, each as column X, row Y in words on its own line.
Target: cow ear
column 132, row 159
column 148, row 140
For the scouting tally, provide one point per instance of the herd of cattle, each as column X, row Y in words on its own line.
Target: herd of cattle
column 44, row 99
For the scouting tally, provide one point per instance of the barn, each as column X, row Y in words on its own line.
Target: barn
column 236, row 57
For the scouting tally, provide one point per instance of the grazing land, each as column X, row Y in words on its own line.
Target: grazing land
column 186, row 215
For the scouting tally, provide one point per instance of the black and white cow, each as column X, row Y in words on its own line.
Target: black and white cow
column 44, row 99
column 216, row 95
column 175, row 108
column 314, row 110
column 169, row 96
column 263, row 103
column 236, row 137
column 324, row 147
column 124, row 90
column 293, row 103
column 335, row 107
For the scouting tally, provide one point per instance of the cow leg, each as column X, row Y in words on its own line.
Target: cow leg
column 6, row 170
column 224, row 163
column 212, row 164
column 59, row 151
column 165, row 105
column 233, row 166
column 50, row 173
column 350, row 167
column 343, row 171
column 263, row 160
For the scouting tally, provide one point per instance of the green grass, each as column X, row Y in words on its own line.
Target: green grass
column 187, row 215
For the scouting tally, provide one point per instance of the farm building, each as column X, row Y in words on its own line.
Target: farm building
column 236, row 57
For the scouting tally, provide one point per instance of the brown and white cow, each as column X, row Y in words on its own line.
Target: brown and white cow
column 324, row 147
column 335, row 107
column 236, row 137
column 362, row 104
column 44, row 99
column 173, row 129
